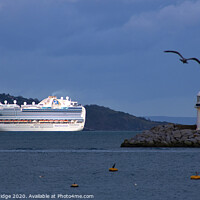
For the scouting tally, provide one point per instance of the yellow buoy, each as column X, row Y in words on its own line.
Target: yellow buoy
column 195, row 177
column 113, row 169
column 74, row 185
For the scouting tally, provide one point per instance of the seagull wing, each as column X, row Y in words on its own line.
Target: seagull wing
column 169, row 51
column 194, row 59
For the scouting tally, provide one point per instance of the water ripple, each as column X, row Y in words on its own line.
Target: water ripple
column 129, row 150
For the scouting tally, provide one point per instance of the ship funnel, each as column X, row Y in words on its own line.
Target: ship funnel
column 25, row 103
column 33, row 103
column 5, row 102
column 61, row 98
column 15, row 102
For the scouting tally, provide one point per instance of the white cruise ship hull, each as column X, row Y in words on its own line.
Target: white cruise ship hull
column 42, row 127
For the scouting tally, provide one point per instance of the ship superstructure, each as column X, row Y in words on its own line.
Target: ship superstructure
column 51, row 114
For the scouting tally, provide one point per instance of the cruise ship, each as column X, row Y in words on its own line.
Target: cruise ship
column 51, row 114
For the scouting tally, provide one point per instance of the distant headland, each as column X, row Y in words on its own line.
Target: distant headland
column 170, row 135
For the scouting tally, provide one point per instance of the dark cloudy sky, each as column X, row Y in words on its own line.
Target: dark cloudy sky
column 106, row 52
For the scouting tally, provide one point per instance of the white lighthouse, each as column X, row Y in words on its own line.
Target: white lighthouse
column 198, row 111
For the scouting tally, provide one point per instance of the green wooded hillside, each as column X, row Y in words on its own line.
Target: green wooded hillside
column 102, row 118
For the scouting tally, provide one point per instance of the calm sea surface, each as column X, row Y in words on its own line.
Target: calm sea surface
column 48, row 163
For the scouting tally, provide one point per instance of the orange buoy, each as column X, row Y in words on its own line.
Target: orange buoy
column 74, row 185
column 113, row 169
column 195, row 177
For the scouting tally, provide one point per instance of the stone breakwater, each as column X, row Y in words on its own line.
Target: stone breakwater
column 170, row 135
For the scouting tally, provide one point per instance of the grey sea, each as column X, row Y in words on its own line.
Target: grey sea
column 44, row 165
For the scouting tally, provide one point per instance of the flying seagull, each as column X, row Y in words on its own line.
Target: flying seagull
column 183, row 60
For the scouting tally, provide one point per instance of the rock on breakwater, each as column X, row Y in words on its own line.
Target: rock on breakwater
column 170, row 135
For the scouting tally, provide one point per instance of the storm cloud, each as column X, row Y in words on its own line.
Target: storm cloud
column 108, row 52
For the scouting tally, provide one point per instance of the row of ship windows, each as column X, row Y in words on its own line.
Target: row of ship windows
column 41, row 121
column 56, row 110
